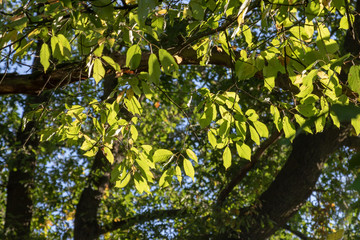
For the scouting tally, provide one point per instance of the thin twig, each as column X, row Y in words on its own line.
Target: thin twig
column 244, row 170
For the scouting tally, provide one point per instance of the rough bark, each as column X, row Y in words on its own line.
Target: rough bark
column 86, row 221
column 294, row 183
column 19, row 205
column 67, row 73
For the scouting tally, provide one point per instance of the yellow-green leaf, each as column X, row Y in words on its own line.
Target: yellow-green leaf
column 189, row 169
column 243, row 150
column 122, row 183
column 154, row 69
column 178, row 174
column 227, row 158
column 191, row 155
column 98, row 70
column 162, row 155
column 45, row 56
column 168, row 63
column 289, row 128
column 254, row 135
column 133, row 57
column 108, row 154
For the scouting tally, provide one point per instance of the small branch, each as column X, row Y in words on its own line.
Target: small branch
column 142, row 218
column 244, row 170
column 353, row 143
column 226, row 25
column 297, row 233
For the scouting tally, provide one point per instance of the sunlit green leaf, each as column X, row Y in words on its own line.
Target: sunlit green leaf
column 227, row 158
column 191, row 155
column 154, row 69
column 189, row 169
column 243, row 150
column 168, row 63
column 289, row 128
column 108, row 154
column 162, row 155
column 133, row 57
column 45, row 56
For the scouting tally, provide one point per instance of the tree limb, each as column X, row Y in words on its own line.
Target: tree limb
column 142, row 218
column 294, row 183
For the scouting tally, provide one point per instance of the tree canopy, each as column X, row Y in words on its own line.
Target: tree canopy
column 203, row 119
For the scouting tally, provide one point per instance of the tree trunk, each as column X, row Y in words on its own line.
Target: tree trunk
column 294, row 183
column 19, row 205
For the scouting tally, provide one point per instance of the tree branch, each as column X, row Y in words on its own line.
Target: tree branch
column 244, row 170
column 142, row 218
column 295, row 232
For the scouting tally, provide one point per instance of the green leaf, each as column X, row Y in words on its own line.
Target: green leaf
column 98, row 70
column 344, row 23
column 133, row 57
column 338, row 235
column 302, row 123
column 191, row 155
column 88, row 144
column 355, row 122
column 144, row 8
column 276, row 115
column 261, row 129
column 178, row 174
column 133, row 106
column 92, row 152
column 122, row 183
column 252, row 115
column 197, row 10
column 141, row 184
column 254, row 135
column 162, row 155
column 64, row 46
column 154, row 69
column 244, row 70
column 165, row 179
column 240, row 129
column 104, row 9
column 320, row 124
column 247, row 34
column 212, row 138
column 134, row 132
column 227, row 157
column 354, row 78
column 224, row 129
column 168, row 63
column 289, row 128
column 189, row 169
column 45, row 56
column 345, row 112
column 112, row 63
column 208, row 115
column 243, row 150
column 108, row 154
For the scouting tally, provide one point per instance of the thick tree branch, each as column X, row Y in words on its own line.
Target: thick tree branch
column 142, row 218
column 294, row 183
column 71, row 72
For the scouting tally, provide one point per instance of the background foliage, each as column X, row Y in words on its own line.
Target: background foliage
column 177, row 119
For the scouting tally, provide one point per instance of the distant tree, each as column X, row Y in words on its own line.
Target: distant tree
column 181, row 120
